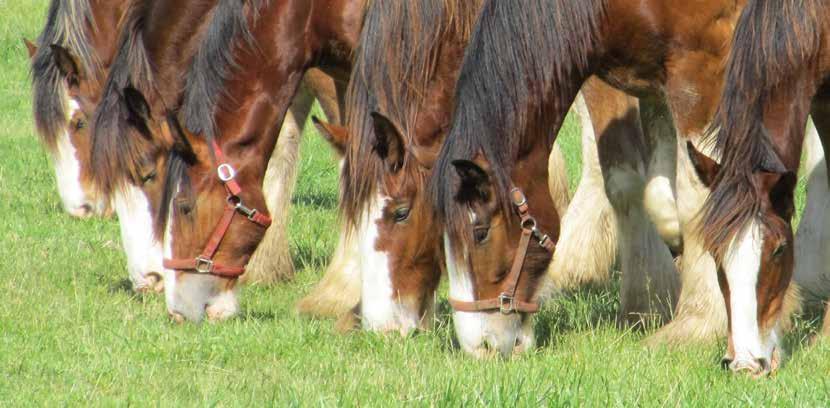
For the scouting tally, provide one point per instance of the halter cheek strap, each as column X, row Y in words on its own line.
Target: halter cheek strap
column 204, row 263
column 506, row 302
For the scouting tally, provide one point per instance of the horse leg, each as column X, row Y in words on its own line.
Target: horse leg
column 272, row 262
column 700, row 314
column 588, row 222
column 648, row 273
column 650, row 259
column 338, row 292
column 812, row 241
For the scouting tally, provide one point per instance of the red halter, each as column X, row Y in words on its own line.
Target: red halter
column 204, row 263
column 506, row 302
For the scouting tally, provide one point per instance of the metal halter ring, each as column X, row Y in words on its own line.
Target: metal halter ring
column 226, row 172
column 204, row 265
column 506, row 300
column 529, row 223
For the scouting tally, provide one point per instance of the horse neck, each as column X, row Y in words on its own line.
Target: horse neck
column 257, row 95
column 172, row 42
column 336, row 25
column 103, row 36
column 530, row 173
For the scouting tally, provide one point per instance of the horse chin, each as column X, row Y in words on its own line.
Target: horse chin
column 194, row 297
column 490, row 334
column 400, row 317
column 756, row 363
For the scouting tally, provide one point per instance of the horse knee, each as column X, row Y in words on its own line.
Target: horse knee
column 661, row 207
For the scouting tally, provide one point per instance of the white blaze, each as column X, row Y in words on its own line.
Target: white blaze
column 144, row 252
column 68, row 171
column 742, row 266
column 381, row 307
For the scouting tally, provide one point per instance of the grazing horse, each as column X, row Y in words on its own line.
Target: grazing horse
column 74, row 50
column 243, row 75
column 400, row 98
column 69, row 68
column 669, row 54
column 776, row 76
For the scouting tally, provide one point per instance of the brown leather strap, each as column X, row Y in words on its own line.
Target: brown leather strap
column 219, row 233
column 205, row 266
column 502, row 304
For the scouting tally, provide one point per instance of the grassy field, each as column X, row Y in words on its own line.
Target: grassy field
column 72, row 333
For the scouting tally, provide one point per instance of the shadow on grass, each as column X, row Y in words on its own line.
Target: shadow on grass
column 580, row 310
column 315, row 199
column 309, row 257
column 124, row 286
column 257, row 316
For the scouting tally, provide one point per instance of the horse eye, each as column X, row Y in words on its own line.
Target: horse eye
column 401, row 214
column 481, row 234
column 80, row 124
column 148, row 177
column 779, row 250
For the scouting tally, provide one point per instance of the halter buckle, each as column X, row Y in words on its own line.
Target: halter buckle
column 506, row 304
column 518, row 197
column 226, row 172
column 246, row 211
column 204, row 265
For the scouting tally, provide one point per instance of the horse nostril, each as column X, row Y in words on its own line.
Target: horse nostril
column 81, row 211
column 725, row 363
column 765, row 365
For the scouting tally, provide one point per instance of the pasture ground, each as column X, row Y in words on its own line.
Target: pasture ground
column 71, row 332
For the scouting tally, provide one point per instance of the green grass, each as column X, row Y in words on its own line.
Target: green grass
column 70, row 333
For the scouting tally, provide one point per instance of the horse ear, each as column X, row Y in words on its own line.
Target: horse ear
column 706, row 168
column 31, row 47
column 781, row 194
column 66, row 63
column 388, row 143
column 475, row 183
column 772, row 164
column 137, row 106
column 337, row 136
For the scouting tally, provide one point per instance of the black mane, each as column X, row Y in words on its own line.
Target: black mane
column 772, row 40
column 66, row 25
column 525, row 58
column 215, row 61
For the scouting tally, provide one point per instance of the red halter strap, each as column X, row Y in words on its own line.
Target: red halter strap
column 506, row 302
column 204, row 263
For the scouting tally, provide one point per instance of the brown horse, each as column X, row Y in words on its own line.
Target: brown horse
column 775, row 78
column 386, row 166
column 75, row 49
column 69, row 71
column 669, row 55
column 239, row 85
